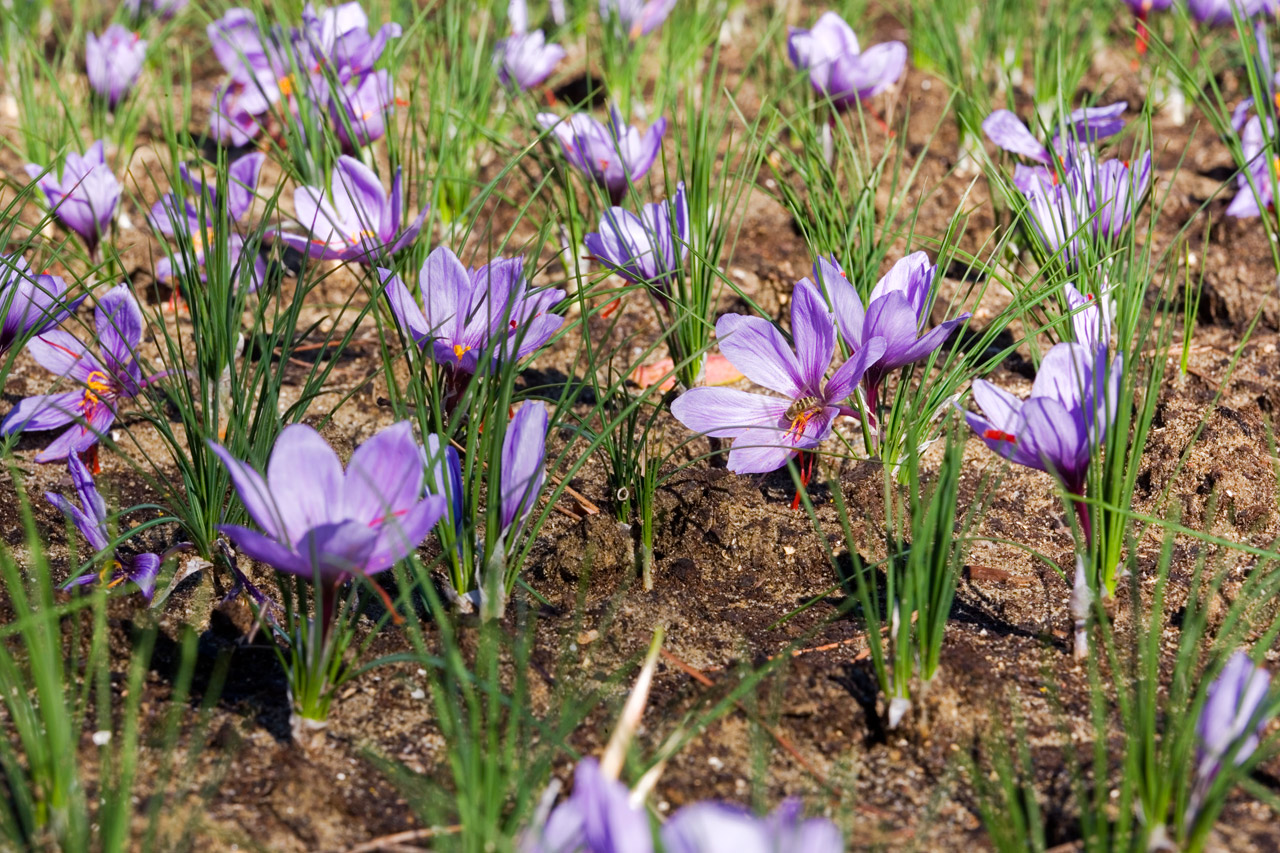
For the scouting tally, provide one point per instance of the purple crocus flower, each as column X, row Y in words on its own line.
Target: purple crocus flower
column 644, row 249
column 361, row 222
column 636, row 18
column 523, row 451
column 30, row 304
column 1102, row 196
column 1084, row 126
column 598, row 817
column 1254, row 187
column 85, row 198
column 319, row 522
column 526, row 59
column 711, row 827
column 769, row 431
column 1073, row 401
column 363, row 108
column 615, row 155
column 90, row 518
column 194, row 219
column 464, row 314
column 896, row 312
column 340, row 37
column 106, row 380
column 113, row 62
column 1218, row 13
column 1230, row 724
column 839, row 69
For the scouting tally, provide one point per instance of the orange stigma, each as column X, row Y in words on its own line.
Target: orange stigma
column 459, row 350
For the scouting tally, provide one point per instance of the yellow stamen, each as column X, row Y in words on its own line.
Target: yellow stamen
column 459, row 350
column 285, row 85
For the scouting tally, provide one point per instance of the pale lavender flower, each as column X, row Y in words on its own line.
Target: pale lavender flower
column 90, row 518
column 362, row 106
column 466, row 315
column 839, row 69
column 339, row 37
column 320, row 522
column 636, row 18
column 85, row 198
column 648, row 249
column 769, row 431
column 598, row 817
column 525, row 59
column 30, row 304
column 113, row 62
column 362, row 221
column 896, row 312
column 105, row 380
column 193, row 218
column 711, row 827
column 615, row 155
column 1218, row 13
column 1254, row 185
column 523, row 451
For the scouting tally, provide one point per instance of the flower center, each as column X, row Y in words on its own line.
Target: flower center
column 96, row 384
column 111, row 568
column 459, row 350
column 360, row 236
column 800, row 413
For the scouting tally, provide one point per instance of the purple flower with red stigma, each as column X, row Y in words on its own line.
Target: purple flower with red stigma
column 193, row 219
column 90, row 518
column 1073, row 401
column 318, row 521
column 362, row 108
column 30, row 304
column 113, row 62
column 647, row 249
column 466, row 315
column 769, row 431
column 1085, row 126
column 615, row 155
column 636, row 18
column 340, row 38
column 361, row 223
column 85, row 198
column 896, row 312
column 106, row 379
column 711, row 827
column 839, row 69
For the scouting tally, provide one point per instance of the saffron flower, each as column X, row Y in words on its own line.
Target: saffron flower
column 896, row 313
column 615, row 156
column 523, row 450
column 362, row 107
column 769, row 431
column 1094, row 201
column 465, row 315
column 30, row 304
column 839, row 69
column 636, row 18
column 524, row 59
column 1218, row 13
column 711, row 827
column 90, row 518
column 320, row 522
column 1230, row 723
column 362, row 221
column 194, row 220
column 85, row 197
column 1086, row 125
column 106, row 380
column 1254, row 186
column 598, row 817
column 1073, row 401
column 113, row 62
column 647, row 249
column 339, row 37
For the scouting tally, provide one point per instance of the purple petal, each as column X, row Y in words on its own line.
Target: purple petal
column 814, row 330
column 305, row 478
column 383, row 477
column 1007, row 131
column 523, row 448
column 760, row 352
column 254, row 494
column 725, row 412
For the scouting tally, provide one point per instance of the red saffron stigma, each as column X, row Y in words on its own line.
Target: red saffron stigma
column 1000, row 435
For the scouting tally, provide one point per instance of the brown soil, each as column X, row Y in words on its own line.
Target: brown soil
column 731, row 559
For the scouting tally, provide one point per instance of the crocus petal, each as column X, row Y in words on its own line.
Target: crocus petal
column 1007, row 131
column 383, row 477
column 761, row 354
column 305, row 478
column 142, row 569
column 118, row 321
column 1058, row 438
column 1002, row 409
column 400, row 535
column 523, row 449
column 254, row 494
column 62, row 354
column 79, row 437
column 726, row 412
column 849, row 374
column 814, row 330
column 33, row 414
column 266, row 550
